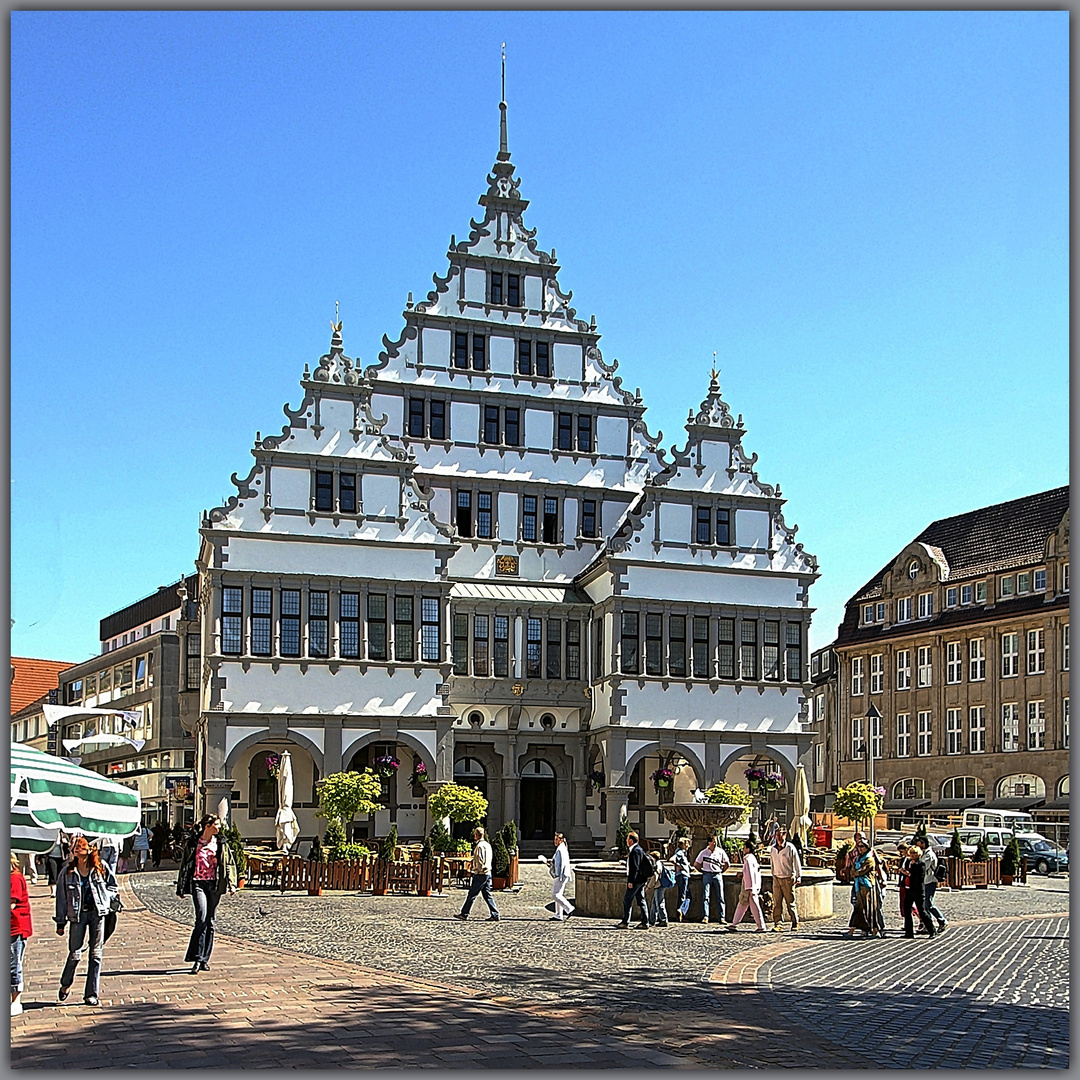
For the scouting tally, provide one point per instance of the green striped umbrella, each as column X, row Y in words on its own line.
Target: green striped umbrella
column 26, row 834
column 49, row 793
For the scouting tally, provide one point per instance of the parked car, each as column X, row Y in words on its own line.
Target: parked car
column 1042, row 855
column 939, row 843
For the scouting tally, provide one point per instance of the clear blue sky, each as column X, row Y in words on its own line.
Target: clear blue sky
column 864, row 213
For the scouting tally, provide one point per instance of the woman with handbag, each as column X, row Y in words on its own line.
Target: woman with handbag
column 559, row 869
column 86, row 892
column 682, row 876
column 207, row 872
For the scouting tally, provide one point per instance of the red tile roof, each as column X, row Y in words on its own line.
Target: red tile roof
column 33, row 679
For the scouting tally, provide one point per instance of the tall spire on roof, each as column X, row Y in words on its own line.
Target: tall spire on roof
column 504, row 152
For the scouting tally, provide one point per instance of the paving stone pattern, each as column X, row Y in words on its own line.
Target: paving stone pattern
column 337, row 980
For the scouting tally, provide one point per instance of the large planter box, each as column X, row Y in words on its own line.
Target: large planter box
column 966, row 872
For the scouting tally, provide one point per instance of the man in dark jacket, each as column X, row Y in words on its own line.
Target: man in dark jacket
column 916, row 894
column 638, row 872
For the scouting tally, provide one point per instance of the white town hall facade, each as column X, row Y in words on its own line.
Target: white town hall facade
column 473, row 556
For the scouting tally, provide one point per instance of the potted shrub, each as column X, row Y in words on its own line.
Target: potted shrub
column 231, row 835
column 426, row 868
column 1010, row 861
column 442, row 843
column 341, row 797
column 624, row 830
column 500, row 862
column 980, row 877
column 380, row 881
column 510, row 839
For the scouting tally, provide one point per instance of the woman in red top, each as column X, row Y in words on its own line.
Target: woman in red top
column 207, row 870
column 21, row 929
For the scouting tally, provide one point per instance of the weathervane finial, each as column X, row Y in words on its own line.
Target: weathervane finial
column 504, row 152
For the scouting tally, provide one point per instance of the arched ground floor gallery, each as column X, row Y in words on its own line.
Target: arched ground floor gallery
column 577, row 784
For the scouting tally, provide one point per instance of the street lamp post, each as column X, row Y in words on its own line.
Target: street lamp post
column 872, row 718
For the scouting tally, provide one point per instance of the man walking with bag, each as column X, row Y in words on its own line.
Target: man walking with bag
column 480, row 867
column 639, row 871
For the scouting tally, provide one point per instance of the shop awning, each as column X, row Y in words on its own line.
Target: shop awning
column 1057, row 806
column 1019, row 802
column 896, row 806
column 950, row 806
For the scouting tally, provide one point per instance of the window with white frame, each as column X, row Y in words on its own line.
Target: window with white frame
column 881, row 613
column 1010, row 726
column 903, row 609
column 868, row 613
column 977, row 729
column 954, row 732
column 877, row 673
column 819, row 707
column 924, row 735
column 1036, row 652
column 950, row 596
column 926, row 605
column 913, row 569
column 965, row 594
column 857, row 749
column 856, row 676
column 1005, row 586
column 963, row 787
column 1023, row 584
column 1036, row 725
column 1065, row 577
column 976, row 660
column 903, row 734
column 1065, row 723
column 1065, row 647
column 819, row 763
column 1039, row 582
column 1010, row 655
column 903, row 669
column 954, row 662
column 925, row 672
column 980, row 592
column 877, row 742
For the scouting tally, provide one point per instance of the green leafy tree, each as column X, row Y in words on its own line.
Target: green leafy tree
column 858, row 802
column 389, row 845
column 731, row 795
column 955, row 849
column 334, row 836
column 343, row 795
column 439, row 839
column 500, row 857
column 458, row 803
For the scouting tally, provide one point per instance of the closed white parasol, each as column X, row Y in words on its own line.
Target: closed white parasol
column 286, row 827
column 802, row 820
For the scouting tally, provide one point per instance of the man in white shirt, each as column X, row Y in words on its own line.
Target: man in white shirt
column 481, row 877
column 712, row 861
column 786, row 874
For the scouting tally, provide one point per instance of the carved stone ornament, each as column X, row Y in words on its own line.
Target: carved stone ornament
column 506, row 565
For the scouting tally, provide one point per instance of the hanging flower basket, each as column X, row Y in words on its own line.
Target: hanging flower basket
column 386, row 766
column 596, row 778
column 662, row 778
column 763, row 779
column 419, row 774
column 273, row 765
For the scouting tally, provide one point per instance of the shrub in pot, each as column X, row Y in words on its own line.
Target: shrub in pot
column 500, row 862
column 1010, row 861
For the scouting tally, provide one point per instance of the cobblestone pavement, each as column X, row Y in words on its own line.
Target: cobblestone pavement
column 691, row 994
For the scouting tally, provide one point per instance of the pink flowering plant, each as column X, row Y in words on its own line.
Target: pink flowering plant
column 662, row 778
column 419, row 773
column 386, row 765
column 273, row 764
column 764, row 778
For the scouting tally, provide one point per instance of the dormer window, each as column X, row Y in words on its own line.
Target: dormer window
column 707, row 519
column 913, row 569
column 926, row 605
column 903, row 609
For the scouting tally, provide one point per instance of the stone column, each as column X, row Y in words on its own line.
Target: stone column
column 579, row 833
column 615, row 800
column 217, row 798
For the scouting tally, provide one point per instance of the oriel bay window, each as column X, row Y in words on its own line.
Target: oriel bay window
column 770, row 651
column 532, row 648
column 290, row 622
column 677, row 646
column 700, row 647
column 318, row 624
column 654, row 645
column 232, row 620
column 725, row 663
column 376, row 626
column 748, row 654
column 631, row 645
column 349, row 626
column 480, row 650
column 404, row 633
column 573, row 649
column 501, row 651
column 554, row 649
column 261, row 624
column 429, row 629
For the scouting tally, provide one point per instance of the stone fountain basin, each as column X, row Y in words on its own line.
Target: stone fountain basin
column 601, row 886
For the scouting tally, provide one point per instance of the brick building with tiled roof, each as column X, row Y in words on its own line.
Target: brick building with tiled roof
column 961, row 644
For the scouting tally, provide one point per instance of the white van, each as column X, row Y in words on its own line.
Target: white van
column 996, row 839
column 1015, row 820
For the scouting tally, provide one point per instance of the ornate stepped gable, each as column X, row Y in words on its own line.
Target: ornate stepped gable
column 535, row 355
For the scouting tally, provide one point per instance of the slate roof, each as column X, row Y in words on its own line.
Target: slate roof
column 990, row 539
column 33, row 680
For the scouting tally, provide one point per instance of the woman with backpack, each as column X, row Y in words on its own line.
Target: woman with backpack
column 656, row 890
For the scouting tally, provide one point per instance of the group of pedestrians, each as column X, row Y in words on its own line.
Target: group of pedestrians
column 87, row 901
column 919, row 874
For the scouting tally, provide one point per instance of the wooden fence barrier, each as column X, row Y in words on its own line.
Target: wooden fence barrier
column 363, row 875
